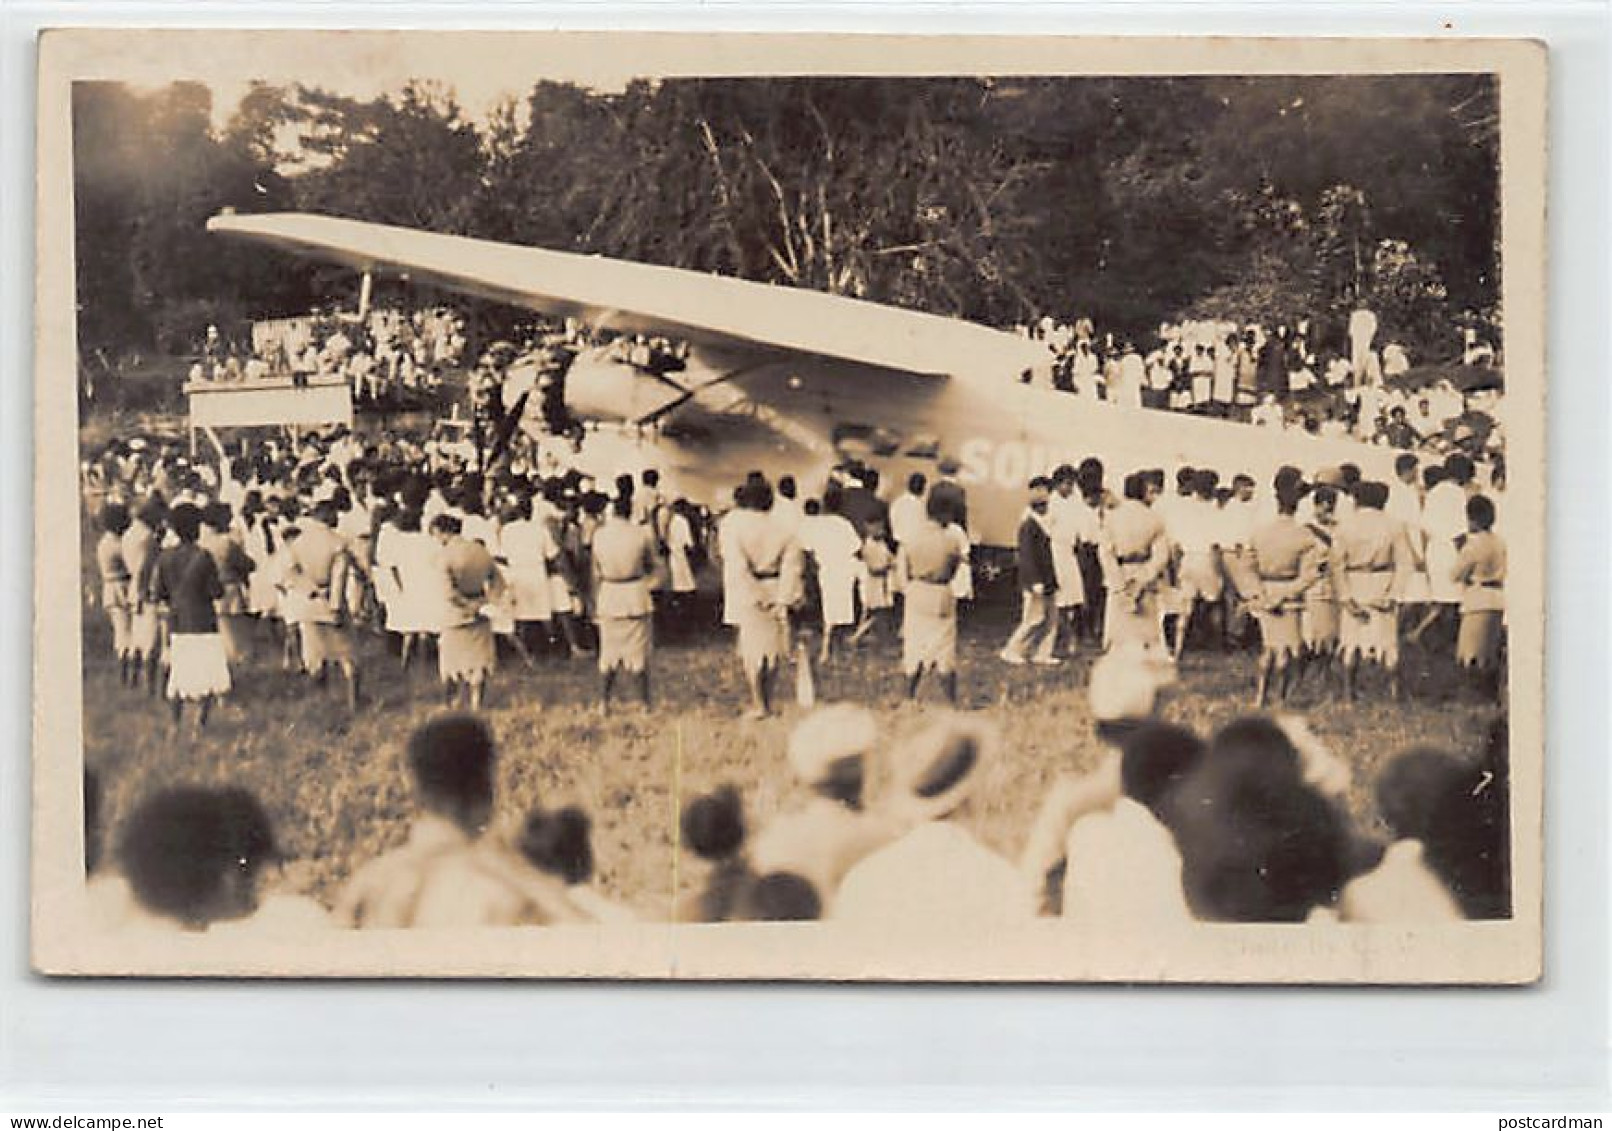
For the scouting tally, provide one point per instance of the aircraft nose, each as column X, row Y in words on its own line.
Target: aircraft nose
column 609, row 391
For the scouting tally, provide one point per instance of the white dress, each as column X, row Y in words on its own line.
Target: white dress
column 417, row 599
column 527, row 547
column 834, row 545
column 679, row 541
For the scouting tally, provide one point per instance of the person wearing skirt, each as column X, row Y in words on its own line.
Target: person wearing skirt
column 186, row 581
column 927, row 562
column 625, row 568
column 1284, row 553
column 1370, row 559
column 116, row 598
column 140, row 543
column 1135, row 554
column 235, row 568
column 467, row 651
column 1318, row 619
column 1480, row 568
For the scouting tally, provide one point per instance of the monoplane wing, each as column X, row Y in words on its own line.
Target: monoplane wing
column 730, row 322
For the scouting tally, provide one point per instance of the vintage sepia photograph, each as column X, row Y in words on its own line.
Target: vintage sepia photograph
column 836, row 508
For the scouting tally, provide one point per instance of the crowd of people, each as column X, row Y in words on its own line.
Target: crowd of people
column 331, row 536
column 1168, row 828
column 1276, row 378
column 387, row 353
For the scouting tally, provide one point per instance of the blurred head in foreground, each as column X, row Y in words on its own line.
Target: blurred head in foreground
column 453, row 762
column 192, row 855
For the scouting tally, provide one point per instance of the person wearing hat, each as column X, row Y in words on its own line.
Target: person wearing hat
column 1038, row 583
column 1370, row 560
column 1136, row 555
column 936, row 875
column 1125, row 689
column 1284, row 553
column 829, row 754
column 928, row 562
column 625, row 566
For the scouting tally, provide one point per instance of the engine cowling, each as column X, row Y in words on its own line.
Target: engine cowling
column 602, row 388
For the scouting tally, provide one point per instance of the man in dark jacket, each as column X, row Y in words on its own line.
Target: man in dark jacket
column 1037, row 585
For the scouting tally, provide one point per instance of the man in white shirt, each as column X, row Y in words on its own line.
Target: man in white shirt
column 937, row 876
column 907, row 510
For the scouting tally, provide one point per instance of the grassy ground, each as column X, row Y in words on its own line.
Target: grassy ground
column 334, row 785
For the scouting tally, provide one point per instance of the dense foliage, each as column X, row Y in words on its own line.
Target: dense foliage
column 1129, row 201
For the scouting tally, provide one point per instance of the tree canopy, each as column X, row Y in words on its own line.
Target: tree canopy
column 1130, row 201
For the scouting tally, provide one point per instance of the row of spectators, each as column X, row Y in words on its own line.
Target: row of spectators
column 387, row 353
column 1252, row 823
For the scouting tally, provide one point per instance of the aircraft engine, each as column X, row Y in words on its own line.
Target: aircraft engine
column 603, row 388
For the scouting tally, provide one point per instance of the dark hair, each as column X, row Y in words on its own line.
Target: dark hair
column 1480, row 512
column 217, row 516
column 180, row 846
column 781, row 897
column 813, row 507
column 114, row 518
column 786, row 486
column 916, row 483
column 1404, row 462
column 1136, row 485
column 713, row 825
column 1257, row 843
column 1460, row 468
column 621, row 506
column 1371, row 494
column 651, row 477
column 447, row 524
column 1461, row 814
column 1156, row 757
column 453, row 762
column 559, row 843
column 185, row 520
column 938, row 508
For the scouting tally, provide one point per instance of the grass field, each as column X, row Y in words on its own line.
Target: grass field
column 334, row 784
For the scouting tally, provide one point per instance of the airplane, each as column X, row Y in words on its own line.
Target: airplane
column 792, row 381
